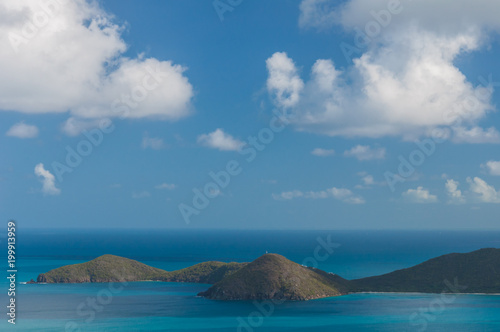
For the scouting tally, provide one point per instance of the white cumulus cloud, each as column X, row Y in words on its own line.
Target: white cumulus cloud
column 482, row 191
column 22, row 130
column 454, row 194
column 60, row 56
column 345, row 195
column 493, row 167
column 403, row 81
column 420, row 195
column 283, row 82
column 218, row 139
column 48, row 180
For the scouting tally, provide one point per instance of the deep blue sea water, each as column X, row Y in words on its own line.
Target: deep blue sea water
column 157, row 306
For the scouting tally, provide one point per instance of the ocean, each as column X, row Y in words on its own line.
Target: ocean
column 159, row 306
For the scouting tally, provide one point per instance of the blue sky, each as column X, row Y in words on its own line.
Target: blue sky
column 400, row 134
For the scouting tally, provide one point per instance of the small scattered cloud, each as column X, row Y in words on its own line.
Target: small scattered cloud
column 368, row 181
column 454, row 194
column 220, row 140
column 319, row 152
column 493, row 167
column 48, row 180
column 341, row 194
column 142, row 194
column 287, row 195
column 152, row 143
column 345, row 195
column 365, row 152
column 476, row 135
column 22, row 130
column 215, row 193
column 482, row 191
column 75, row 126
column 318, row 14
column 167, row 186
column 420, row 195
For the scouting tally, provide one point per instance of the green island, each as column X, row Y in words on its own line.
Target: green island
column 272, row 276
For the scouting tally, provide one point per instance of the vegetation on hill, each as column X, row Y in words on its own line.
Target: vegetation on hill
column 108, row 268
column 272, row 276
column 203, row 273
column 105, row 268
column 474, row 272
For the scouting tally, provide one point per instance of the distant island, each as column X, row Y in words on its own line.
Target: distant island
column 111, row 268
column 272, row 276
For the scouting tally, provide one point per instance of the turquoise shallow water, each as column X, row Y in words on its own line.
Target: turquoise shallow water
column 156, row 306
column 147, row 306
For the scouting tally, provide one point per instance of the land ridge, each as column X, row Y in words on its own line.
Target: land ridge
column 272, row 276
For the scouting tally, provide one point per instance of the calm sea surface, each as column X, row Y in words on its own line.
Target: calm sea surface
column 157, row 306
